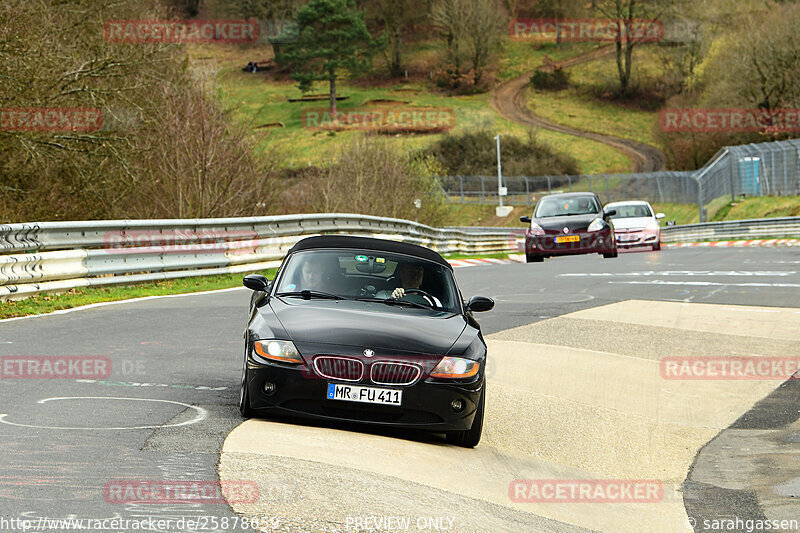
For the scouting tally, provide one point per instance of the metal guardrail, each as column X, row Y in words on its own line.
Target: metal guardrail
column 733, row 229
column 57, row 256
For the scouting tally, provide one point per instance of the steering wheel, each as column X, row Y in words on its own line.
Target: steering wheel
column 429, row 297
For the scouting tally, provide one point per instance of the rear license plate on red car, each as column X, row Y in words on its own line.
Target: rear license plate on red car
column 355, row 393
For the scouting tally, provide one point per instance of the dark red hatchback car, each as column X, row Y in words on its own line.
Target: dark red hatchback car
column 567, row 224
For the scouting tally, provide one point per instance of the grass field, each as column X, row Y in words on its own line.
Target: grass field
column 262, row 102
column 579, row 107
column 759, row 207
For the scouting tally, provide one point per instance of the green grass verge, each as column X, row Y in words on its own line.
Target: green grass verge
column 47, row 303
column 721, row 209
column 759, row 207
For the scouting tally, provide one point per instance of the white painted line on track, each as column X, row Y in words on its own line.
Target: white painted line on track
column 201, row 415
column 118, row 302
column 712, row 273
column 706, row 284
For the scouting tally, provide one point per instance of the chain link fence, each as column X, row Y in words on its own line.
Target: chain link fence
column 765, row 169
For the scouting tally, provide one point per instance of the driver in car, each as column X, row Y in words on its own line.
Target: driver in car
column 410, row 276
column 312, row 275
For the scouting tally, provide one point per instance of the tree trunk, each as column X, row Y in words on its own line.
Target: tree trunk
column 628, row 64
column 623, row 82
column 332, row 78
column 395, row 63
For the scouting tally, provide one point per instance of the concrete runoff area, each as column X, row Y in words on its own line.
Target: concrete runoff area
column 568, row 398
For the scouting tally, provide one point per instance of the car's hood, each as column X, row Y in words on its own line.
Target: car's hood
column 632, row 223
column 573, row 223
column 368, row 325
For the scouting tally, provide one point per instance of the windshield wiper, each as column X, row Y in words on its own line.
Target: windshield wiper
column 307, row 295
column 390, row 301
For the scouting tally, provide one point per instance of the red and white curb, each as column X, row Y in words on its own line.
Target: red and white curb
column 462, row 263
column 736, row 244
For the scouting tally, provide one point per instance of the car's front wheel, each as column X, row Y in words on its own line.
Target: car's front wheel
column 657, row 246
column 471, row 437
column 611, row 255
column 244, row 392
column 533, row 258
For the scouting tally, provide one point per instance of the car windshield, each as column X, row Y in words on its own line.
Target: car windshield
column 566, row 206
column 632, row 211
column 369, row 275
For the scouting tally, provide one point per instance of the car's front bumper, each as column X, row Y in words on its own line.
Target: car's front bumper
column 297, row 392
column 630, row 239
column 590, row 242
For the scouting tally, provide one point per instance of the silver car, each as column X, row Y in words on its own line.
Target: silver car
column 636, row 224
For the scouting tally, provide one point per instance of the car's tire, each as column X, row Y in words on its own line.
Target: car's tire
column 533, row 258
column 611, row 255
column 244, row 393
column 471, row 437
column 657, row 246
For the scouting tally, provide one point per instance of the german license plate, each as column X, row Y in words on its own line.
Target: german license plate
column 355, row 393
column 628, row 238
column 568, row 238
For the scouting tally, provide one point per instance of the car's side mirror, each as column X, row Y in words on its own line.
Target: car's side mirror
column 527, row 220
column 256, row 282
column 659, row 216
column 480, row 304
column 609, row 213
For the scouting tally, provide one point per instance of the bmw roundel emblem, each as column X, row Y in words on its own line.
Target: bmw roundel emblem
column 368, row 352
column 566, row 230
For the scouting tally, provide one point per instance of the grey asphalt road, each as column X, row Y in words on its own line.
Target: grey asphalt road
column 175, row 365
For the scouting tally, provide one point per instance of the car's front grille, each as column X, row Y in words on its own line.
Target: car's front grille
column 342, row 368
column 388, row 373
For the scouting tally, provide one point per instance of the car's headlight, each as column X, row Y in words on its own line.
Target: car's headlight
column 651, row 226
column 596, row 225
column 283, row 351
column 536, row 229
column 455, row 368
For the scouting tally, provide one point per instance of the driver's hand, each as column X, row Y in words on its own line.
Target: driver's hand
column 398, row 293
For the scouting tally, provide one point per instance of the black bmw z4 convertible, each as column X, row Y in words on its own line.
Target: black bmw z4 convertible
column 366, row 330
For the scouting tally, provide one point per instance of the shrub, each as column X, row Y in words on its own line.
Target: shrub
column 555, row 80
column 475, row 153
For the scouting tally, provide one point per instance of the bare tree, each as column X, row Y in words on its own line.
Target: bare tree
column 450, row 20
column 757, row 64
column 202, row 164
column 484, row 27
column 159, row 126
column 472, row 31
column 627, row 13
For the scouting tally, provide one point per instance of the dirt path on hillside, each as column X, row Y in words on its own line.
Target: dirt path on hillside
column 509, row 101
